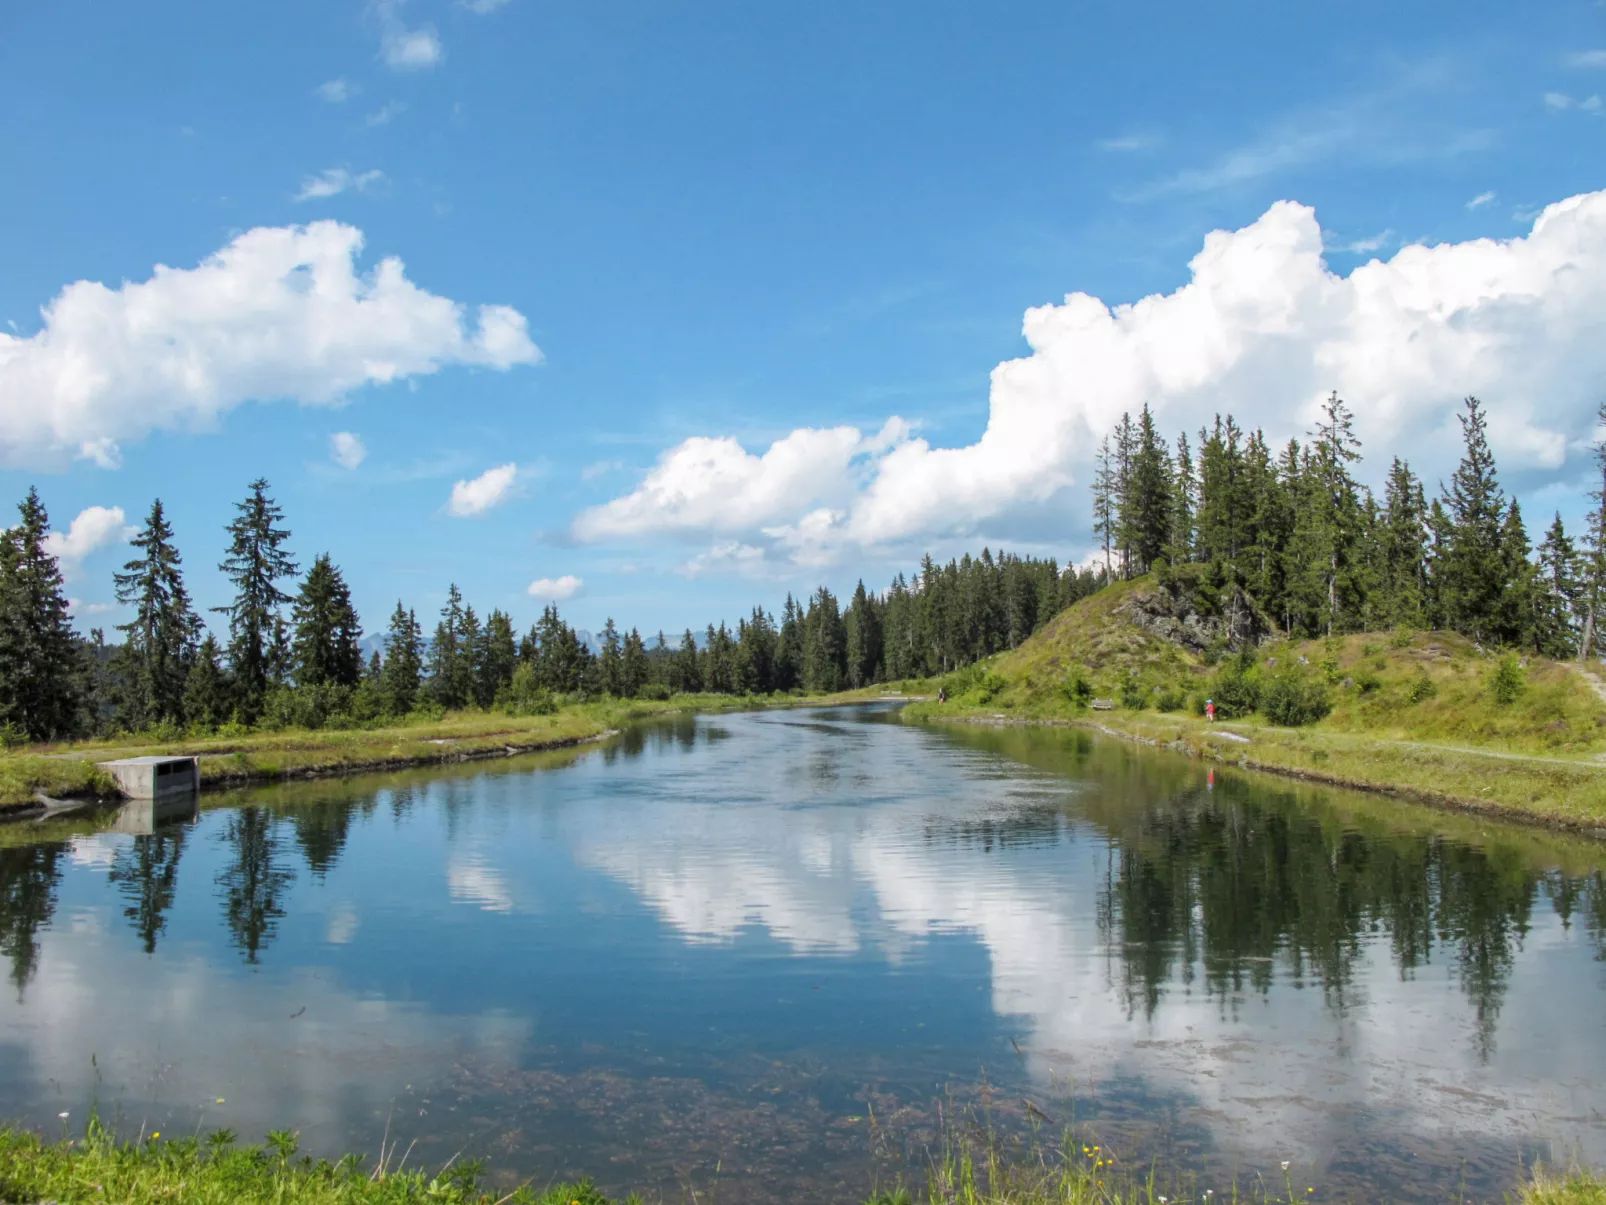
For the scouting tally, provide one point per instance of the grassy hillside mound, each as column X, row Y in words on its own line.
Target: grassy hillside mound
column 1401, row 686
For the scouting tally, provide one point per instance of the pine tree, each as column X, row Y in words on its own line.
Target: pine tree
column 40, row 670
column 450, row 655
column 863, row 639
column 824, row 644
column 1555, row 610
column 402, row 668
column 1402, row 545
column 1104, row 503
column 326, row 649
column 633, row 668
column 610, row 661
column 688, row 673
column 1592, row 562
column 789, row 647
column 162, row 636
column 500, row 657
column 1471, row 580
column 1148, row 509
column 208, row 693
column 255, row 562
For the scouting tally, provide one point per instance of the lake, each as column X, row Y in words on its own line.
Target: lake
column 781, row 954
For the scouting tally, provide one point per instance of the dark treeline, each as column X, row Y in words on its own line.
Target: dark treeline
column 287, row 650
column 1320, row 554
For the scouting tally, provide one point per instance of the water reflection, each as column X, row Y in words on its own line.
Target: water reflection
column 807, row 914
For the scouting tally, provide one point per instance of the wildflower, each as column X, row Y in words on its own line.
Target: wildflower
column 156, row 1134
column 1285, row 1165
column 63, row 1116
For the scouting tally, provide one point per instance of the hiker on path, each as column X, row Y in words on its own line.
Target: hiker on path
column 1210, row 710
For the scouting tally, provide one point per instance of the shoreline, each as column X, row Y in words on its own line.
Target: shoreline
column 1202, row 749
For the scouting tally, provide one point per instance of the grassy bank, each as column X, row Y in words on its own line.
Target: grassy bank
column 215, row 1171
column 1408, row 713
column 69, row 771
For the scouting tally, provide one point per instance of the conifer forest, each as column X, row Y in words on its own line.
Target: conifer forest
column 1293, row 532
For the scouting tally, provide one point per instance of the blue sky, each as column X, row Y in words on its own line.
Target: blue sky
column 726, row 222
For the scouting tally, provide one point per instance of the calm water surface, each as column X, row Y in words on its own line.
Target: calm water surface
column 729, row 942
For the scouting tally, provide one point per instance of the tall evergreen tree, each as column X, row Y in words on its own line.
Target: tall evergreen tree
column 327, row 646
column 610, row 660
column 1592, row 561
column 255, row 563
column 208, row 693
column 1555, row 628
column 401, row 671
column 162, row 636
column 1471, row 570
column 633, row 667
column 40, row 670
column 1148, row 511
column 863, row 639
column 500, row 657
column 451, row 654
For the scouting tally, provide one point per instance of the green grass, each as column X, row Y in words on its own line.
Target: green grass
column 1412, row 712
column 68, row 770
column 216, row 1171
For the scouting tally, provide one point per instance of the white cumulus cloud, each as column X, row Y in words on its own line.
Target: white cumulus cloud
column 93, row 528
column 336, row 180
column 1263, row 329
column 347, row 450
column 335, row 91
column 280, row 313
column 555, row 589
column 491, row 488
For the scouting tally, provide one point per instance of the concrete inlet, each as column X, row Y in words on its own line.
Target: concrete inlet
column 155, row 778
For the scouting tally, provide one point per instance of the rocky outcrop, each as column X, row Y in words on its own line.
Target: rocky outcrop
column 1180, row 617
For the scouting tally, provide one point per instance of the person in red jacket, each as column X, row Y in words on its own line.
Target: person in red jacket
column 1210, row 710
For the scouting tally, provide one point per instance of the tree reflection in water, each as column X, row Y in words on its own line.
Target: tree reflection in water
column 146, row 874
column 254, row 882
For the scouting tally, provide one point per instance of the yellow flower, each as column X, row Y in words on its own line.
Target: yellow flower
column 156, row 1134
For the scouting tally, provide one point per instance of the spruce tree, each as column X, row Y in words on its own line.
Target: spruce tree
column 499, row 658
column 633, row 668
column 208, row 693
column 688, row 673
column 610, row 661
column 1557, row 595
column 1148, row 510
column 862, row 638
column 1471, row 573
column 1402, row 544
column 162, row 636
column 327, row 646
column 450, row 657
column 40, row 670
column 255, row 563
column 1592, row 561
column 402, row 668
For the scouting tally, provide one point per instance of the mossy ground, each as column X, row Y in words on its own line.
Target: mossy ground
column 1412, row 712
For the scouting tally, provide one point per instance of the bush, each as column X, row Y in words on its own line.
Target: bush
column 1422, row 689
column 1366, row 681
column 525, row 695
column 1171, row 698
column 991, row 686
column 1133, row 696
column 1292, row 700
column 1506, row 680
column 1233, row 689
column 304, row 706
column 1077, row 688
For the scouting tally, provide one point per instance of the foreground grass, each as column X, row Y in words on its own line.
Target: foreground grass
column 69, row 770
column 98, row 1168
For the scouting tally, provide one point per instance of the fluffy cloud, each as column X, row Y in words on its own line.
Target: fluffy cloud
column 335, row 91
column 1262, row 329
column 279, row 313
column 555, row 589
column 491, row 488
column 347, row 450
column 336, row 180
column 405, row 49
column 94, row 528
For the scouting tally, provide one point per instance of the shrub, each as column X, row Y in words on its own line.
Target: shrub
column 1234, row 690
column 657, row 692
column 1401, row 637
column 1171, row 698
column 1422, row 688
column 1292, row 700
column 525, row 695
column 1077, row 688
column 1133, row 696
column 1366, row 681
column 991, row 686
column 1506, row 680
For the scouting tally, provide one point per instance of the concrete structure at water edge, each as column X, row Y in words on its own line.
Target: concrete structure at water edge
column 156, row 778
column 142, row 817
